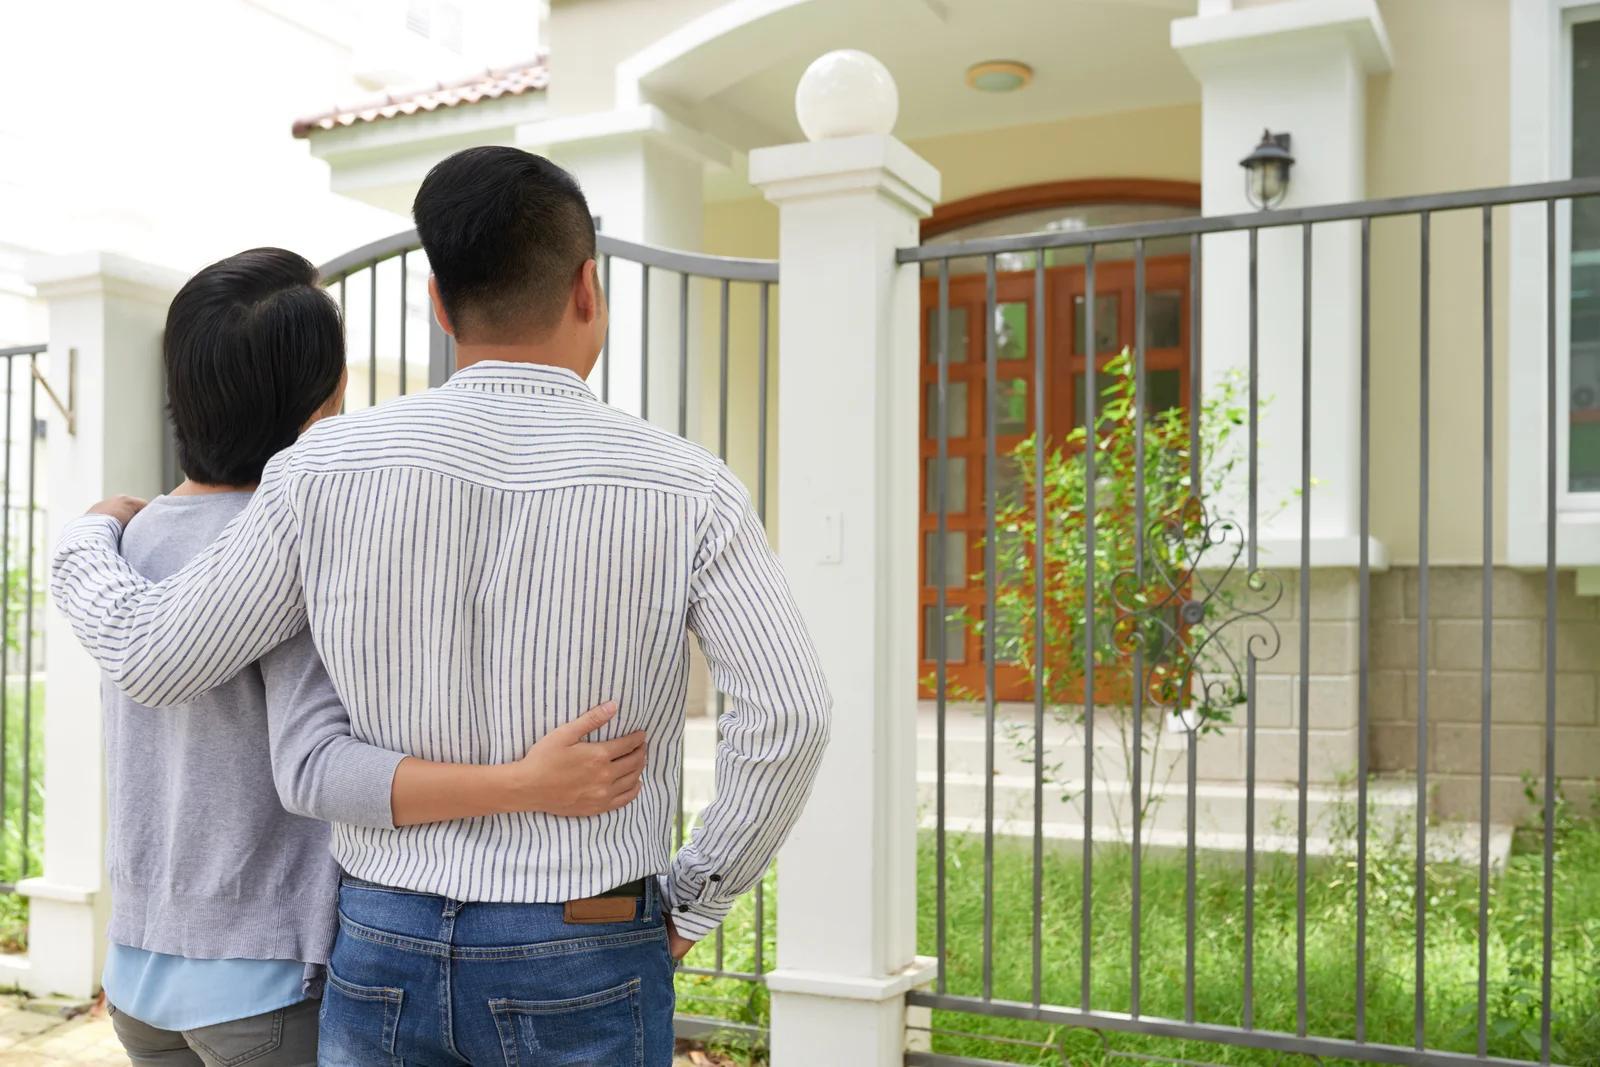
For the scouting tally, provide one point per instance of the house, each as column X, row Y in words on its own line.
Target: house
column 1073, row 115
column 868, row 326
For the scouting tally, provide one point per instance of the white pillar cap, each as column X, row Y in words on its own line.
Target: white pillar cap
column 845, row 94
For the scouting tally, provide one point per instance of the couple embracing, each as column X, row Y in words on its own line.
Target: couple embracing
column 360, row 813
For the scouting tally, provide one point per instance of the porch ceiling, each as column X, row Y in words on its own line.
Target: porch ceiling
column 734, row 71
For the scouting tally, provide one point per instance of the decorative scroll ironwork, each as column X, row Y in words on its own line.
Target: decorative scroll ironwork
column 1185, row 605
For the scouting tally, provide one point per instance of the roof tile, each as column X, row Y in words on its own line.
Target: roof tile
column 489, row 85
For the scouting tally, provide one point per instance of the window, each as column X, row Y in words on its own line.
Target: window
column 1583, row 409
column 1554, row 135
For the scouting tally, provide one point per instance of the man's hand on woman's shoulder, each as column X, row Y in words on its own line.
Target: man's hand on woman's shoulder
column 121, row 508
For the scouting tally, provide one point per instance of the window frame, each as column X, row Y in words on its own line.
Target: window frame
column 1540, row 143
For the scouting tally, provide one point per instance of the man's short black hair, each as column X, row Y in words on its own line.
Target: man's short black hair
column 506, row 233
column 253, row 348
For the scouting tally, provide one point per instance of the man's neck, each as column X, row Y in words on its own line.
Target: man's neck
column 541, row 354
column 190, row 487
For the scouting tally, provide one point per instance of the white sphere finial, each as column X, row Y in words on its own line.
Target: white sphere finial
column 846, row 93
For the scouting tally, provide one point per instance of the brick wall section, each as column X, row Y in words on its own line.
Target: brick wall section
column 1331, row 659
column 1454, row 684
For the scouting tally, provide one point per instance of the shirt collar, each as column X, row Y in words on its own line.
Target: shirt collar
column 519, row 377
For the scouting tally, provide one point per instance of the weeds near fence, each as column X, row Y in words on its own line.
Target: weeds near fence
column 1516, row 947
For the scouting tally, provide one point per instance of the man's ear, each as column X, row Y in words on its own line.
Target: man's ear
column 586, row 293
column 438, row 307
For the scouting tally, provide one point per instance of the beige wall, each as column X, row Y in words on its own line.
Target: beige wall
column 1437, row 122
column 588, row 38
column 1156, row 143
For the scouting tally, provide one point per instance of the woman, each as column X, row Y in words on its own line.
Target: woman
column 224, row 894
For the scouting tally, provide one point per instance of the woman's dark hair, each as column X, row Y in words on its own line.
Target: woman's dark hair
column 506, row 233
column 253, row 347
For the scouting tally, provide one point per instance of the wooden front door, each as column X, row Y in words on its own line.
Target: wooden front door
column 1167, row 380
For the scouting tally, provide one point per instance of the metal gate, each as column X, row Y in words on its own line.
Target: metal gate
column 1170, row 629
column 708, row 310
column 22, row 647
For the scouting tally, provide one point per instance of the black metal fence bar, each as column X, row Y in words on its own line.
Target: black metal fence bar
column 1300, row 1036
column 1152, row 1026
column 1192, row 757
column 372, row 337
column 405, row 296
column 1545, row 1015
column 1485, row 688
column 703, row 266
column 941, row 652
column 1141, row 401
column 763, row 408
column 1498, row 196
column 1251, row 550
column 1091, row 447
column 1423, row 391
column 605, row 344
column 29, row 595
column 1302, row 813
column 1364, row 625
column 1041, row 533
column 683, row 355
column 991, row 476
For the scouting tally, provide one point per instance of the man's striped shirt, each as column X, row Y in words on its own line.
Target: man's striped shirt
column 479, row 564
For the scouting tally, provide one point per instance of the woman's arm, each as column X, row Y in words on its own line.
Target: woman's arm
column 324, row 772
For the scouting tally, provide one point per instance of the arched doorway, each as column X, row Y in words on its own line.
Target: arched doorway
column 1062, row 205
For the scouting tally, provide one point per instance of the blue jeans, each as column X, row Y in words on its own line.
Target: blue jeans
column 422, row 980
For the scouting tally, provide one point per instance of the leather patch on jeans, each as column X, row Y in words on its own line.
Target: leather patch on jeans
column 592, row 910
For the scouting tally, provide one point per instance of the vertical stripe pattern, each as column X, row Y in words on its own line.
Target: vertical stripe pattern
column 479, row 564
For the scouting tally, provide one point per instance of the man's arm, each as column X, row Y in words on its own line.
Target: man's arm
column 164, row 644
column 776, row 723
column 324, row 772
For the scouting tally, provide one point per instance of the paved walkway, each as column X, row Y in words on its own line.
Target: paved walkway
column 37, row 1036
column 33, row 1036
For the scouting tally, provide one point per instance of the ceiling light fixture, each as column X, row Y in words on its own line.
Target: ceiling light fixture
column 999, row 75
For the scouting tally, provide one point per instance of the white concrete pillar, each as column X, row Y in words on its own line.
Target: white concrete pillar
column 109, row 309
column 1299, row 67
column 847, row 478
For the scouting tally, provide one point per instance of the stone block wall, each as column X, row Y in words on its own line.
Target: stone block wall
column 1454, row 685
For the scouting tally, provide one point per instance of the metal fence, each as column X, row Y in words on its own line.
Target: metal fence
column 22, row 596
column 382, row 291
column 1163, row 606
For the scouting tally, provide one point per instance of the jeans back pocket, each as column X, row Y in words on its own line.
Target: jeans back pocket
column 604, row 1029
column 358, row 1024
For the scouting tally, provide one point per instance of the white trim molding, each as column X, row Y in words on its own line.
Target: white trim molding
column 1540, row 150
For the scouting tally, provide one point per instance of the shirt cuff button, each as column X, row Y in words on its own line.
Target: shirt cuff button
column 682, row 908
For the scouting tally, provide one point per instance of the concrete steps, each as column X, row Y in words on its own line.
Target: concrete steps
column 1220, row 803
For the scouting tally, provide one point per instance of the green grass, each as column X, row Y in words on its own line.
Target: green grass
column 1450, row 990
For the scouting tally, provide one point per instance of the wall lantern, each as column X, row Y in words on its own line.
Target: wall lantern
column 1266, row 171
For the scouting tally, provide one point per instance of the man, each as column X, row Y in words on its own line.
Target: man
column 469, row 560
column 220, row 925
